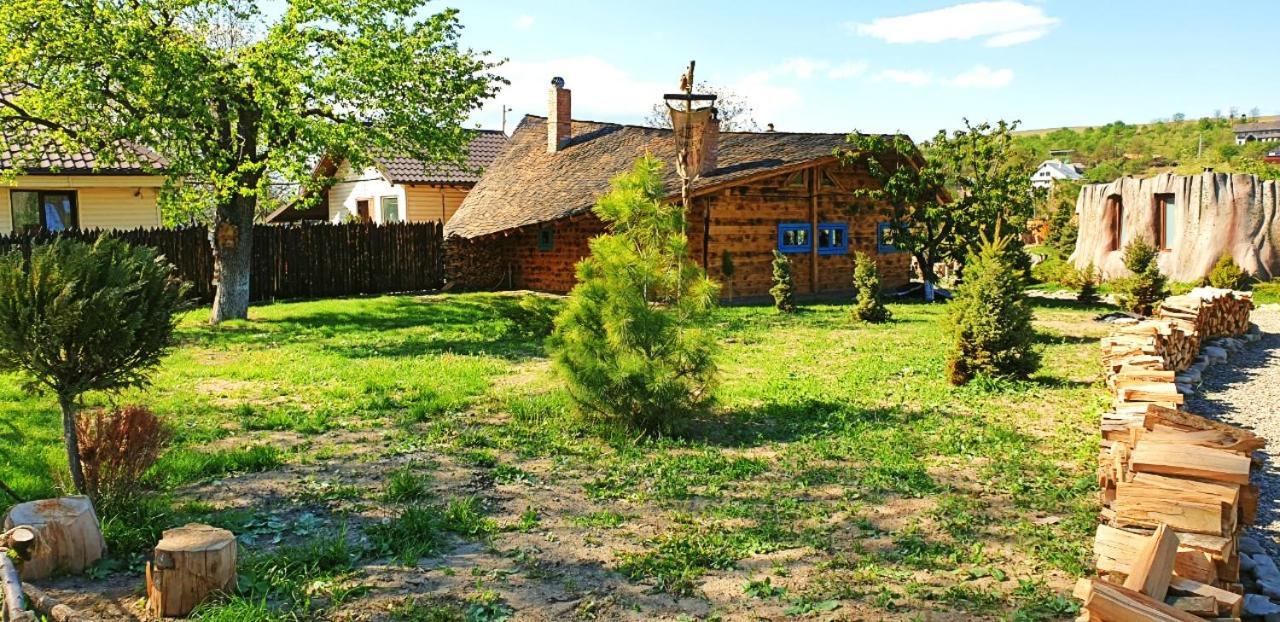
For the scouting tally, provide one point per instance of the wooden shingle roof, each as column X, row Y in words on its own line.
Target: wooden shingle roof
column 526, row 185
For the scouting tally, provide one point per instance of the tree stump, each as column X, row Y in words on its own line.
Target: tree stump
column 190, row 563
column 68, row 538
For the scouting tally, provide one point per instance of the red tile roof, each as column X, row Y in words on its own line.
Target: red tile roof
column 42, row 157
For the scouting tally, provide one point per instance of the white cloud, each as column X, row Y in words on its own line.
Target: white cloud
column 847, row 70
column 1001, row 23
column 908, row 77
column 524, row 22
column 982, row 76
column 802, row 68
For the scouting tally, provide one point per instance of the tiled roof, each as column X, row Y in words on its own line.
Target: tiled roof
column 1262, row 126
column 484, row 148
column 526, row 185
column 51, row 159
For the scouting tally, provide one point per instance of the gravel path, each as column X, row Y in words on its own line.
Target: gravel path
column 1246, row 392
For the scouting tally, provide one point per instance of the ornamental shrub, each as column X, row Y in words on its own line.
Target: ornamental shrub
column 1089, row 278
column 81, row 317
column 630, row 341
column 784, row 287
column 727, row 269
column 867, row 304
column 989, row 319
column 1226, row 274
column 1144, row 289
column 117, row 446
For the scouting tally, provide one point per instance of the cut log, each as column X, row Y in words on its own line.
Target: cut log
column 1152, row 569
column 68, row 539
column 51, row 608
column 1115, row 549
column 1113, row 603
column 190, row 563
column 1191, row 461
column 1198, row 605
column 1229, row 603
column 1149, row 506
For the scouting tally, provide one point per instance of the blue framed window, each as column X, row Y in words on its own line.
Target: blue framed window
column 546, row 239
column 833, row 238
column 795, row 237
column 882, row 239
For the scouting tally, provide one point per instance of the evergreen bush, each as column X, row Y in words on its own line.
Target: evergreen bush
column 1140, row 292
column 1226, row 274
column 989, row 319
column 868, row 306
column 630, row 341
column 784, row 288
column 727, row 269
column 84, row 317
column 1088, row 279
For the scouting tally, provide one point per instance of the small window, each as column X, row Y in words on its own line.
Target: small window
column 390, row 209
column 883, row 244
column 48, row 210
column 828, row 183
column 833, row 238
column 794, row 237
column 797, row 180
column 1166, row 221
column 1115, row 220
column 546, row 239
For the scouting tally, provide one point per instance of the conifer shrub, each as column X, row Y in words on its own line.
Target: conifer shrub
column 784, row 287
column 1226, row 274
column 989, row 320
column 117, row 447
column 81, row 317
column 630, row 341
column 728, row 270
column 1088, row 279
column 867, row 303
column 1144, row 289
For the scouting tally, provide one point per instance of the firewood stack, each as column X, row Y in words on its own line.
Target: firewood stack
column 1175, row 486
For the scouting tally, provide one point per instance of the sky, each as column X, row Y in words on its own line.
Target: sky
column 915, row 66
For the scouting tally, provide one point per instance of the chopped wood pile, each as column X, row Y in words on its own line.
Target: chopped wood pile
column 1175, row 486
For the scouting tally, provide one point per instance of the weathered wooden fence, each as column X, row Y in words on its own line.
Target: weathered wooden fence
column 297, row 261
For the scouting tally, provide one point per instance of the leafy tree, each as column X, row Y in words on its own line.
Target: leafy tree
column 867, row 304
column 1226, row 274
column 734, row 110
column 784, row 287
column 1141, row 291
column 236, row 100
column 629, row 341
column 949, row 192
column 1089, row 279
column 80, row 317
column 989, row 319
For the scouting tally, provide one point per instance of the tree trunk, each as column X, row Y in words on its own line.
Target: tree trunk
column 72, row 441
column 232, row 258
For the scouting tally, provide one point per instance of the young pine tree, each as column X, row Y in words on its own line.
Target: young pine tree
column 867, row 304
column 1088, row 284
column 1226, row 273
column 728, row 270
column 1140, row 292
column 784, row 288
column 990, row 321
column 629, row 341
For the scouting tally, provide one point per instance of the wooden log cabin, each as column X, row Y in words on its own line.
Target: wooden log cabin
column 528, row 220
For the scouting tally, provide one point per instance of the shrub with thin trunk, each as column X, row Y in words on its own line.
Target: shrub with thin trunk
column 1088, row 284
column 1141, row 291
column 867, row 304
column 990, row 320
column 631, row 342
column 784, row 287
column 1226, row 274
column 78, row 317
column 117, row 446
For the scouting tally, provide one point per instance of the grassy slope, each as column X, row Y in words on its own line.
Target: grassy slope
column 821, row 427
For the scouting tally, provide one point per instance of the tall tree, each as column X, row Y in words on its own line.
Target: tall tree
column 734, row 111
column 237, row 99
column 948, row 192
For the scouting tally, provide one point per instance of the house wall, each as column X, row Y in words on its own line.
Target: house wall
column 104, row 202
column 433, row 202
column 743, row 221
column 418, row 203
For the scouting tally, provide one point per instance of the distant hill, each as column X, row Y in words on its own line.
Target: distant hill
column 1116, row 149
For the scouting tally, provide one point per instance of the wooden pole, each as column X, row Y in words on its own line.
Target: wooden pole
column 15, row 604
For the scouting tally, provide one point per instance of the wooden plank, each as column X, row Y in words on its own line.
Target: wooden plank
column 1148, row 506
column 1191, row 461
column 1113, row 603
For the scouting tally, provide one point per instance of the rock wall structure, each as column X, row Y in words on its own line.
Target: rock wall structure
column 1211, row 214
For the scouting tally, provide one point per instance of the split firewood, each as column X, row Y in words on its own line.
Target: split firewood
column 1152, row 569
column 1190, row 461
column 1113, row 603
column 1229, row 603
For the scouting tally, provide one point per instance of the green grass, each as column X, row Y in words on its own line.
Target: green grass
column 1266, row 293
column 838, row 439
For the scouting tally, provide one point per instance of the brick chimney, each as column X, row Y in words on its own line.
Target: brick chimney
column 559, row 115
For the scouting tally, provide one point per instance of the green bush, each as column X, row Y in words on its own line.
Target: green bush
column 867, row 304
column 84, row 317
column 630, row 341
column 1054, row 270
column 990, row 321
column 784, row 287
column 1140, row 292
column 1063, row 228
column 1226, row 274
column 727, row 269
column 1088, row 279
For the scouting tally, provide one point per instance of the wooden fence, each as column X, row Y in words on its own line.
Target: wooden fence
column 297, row 261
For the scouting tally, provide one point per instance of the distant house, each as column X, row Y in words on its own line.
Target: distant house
column 1264, row 131
column 528, row 221
column 57, row 190
column 1051, row 171
column 1272, row 157
column 397, row 189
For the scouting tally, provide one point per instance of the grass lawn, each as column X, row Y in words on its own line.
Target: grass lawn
column 417, row 458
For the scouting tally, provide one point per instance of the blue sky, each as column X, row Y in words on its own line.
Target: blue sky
column 913, row 66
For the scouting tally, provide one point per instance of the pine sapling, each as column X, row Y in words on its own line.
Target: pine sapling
column 868, row 305
column 1145, row 288
column 783, row 290
column 1226, row 274
column 727, row 270
column 1088, row 284
column 989, row 319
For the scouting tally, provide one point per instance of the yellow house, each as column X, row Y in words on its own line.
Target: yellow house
column 397, row 189
column 76, row 191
